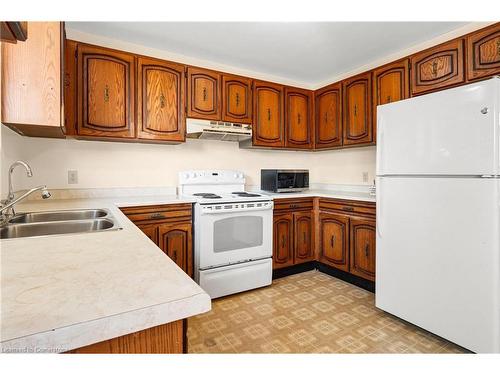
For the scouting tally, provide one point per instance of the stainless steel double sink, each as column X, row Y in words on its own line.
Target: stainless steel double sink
column 32, row 224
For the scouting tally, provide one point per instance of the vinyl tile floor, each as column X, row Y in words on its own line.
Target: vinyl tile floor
column 309, row 312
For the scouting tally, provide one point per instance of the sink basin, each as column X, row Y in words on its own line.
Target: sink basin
column 57, row 227
column 47, row 216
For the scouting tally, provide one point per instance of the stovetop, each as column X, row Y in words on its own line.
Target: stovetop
column 237, row 196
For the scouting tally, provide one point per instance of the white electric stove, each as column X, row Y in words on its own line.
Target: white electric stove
column 233, row 231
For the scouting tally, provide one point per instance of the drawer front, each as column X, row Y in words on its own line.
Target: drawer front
column 288, row 204
column 348, row 207
column 159, row 214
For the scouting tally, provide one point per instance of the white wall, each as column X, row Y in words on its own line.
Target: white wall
column 109, row 164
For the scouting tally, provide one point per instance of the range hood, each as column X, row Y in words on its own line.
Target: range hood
column 218, row 130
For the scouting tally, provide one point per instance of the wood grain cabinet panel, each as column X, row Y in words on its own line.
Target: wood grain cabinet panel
column 106, row 92
column 151, row 231
column 160, row 100
column 483, row 52
column 334, row 232
column 203, row 94
column 283, row 240
column 32, row 93
column 176, row 241
column 236, row 99
column 298, row 120
column 362, row 248
column 437, row 67
column 328, row 103
column 357, row 94
column 268, row 115
column 391, row 83
column 303, row 237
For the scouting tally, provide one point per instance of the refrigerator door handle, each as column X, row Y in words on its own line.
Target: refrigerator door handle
column 378, row 208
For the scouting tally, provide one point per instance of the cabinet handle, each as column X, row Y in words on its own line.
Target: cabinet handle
column 157, row 215
column 174, row 258
column 326, row 116
column 282, row 241
column 367, row 250
column 298, row 118
column 332, row 241
column 269, row 114
column 293, row 206
column 304, row 237
column 237, row 99
column 347, row 208
column 355, row 110
column 388, row 98
column 66, row 80
column 204, row 94
column 434, row 68
column 106, row 93
column 162, row 100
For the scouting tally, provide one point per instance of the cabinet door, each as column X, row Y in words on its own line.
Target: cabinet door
column 203, row 94
column 268, row 115
column 483, row 52
column 362, row 249
column 334, row 233
column 176, row 241
column 105, row 92
column 329, row 117
column 236, row 99
column 303, row 241
column 283, row 240
column 151, row 231
column 390, row 84
column 357, row 92
column 437, row 67
column 298, row 121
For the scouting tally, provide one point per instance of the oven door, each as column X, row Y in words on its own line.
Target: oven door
column 234, row 237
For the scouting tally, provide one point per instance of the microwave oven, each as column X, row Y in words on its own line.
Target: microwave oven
column 284, row 180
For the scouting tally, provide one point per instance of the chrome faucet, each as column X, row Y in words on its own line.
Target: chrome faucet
column 7, row 205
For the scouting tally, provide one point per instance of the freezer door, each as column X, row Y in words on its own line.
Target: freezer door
column 437, row 261
column 452, row 132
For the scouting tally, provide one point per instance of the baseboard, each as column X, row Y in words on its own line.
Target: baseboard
column 342, row 275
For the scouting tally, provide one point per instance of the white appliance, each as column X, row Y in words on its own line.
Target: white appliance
column 438, row 213
column 218, row 130
column 233, row 232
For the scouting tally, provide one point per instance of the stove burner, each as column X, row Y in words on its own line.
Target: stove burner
column 207, row 195
column 245, row 194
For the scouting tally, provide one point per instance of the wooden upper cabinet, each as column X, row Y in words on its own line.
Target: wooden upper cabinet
column 160, row 100
column 437, row 67
column 362, row 248
column 32, row 94
column 236, row 99
column 357, row 94
column 176, row 241
column 303, row 237
column 268, row 124
column 13, row 31
column 334, row 232
column 328, row 102
column 283, row 240
column 390, row 84
column 483, row 52
column 203, row 94
column 106, row 92
column 298, row 120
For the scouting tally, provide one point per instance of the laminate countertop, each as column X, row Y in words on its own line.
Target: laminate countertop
column 63, row 292
column 348, row 195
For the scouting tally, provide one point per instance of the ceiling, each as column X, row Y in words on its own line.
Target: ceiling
column 306, row 52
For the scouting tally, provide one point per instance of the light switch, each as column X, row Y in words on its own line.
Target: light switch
column 72, row 177
column 365, row 176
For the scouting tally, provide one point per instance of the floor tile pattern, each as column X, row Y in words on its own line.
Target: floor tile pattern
column 309, row 312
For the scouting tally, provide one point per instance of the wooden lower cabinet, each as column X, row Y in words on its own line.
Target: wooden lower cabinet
column 163, row 339
column 176, row 241
column 362, row 248
column 293, row 232
column 170, row 228
column 334, row 245
column 283, row 240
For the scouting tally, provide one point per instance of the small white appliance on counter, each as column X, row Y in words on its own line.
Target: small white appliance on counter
column 233, row 232
column 438, row 213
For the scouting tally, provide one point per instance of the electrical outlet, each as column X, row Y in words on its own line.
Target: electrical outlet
column 365, row 176
column 72, row 177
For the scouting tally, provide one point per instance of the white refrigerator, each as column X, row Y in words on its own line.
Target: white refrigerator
column 438, row 213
